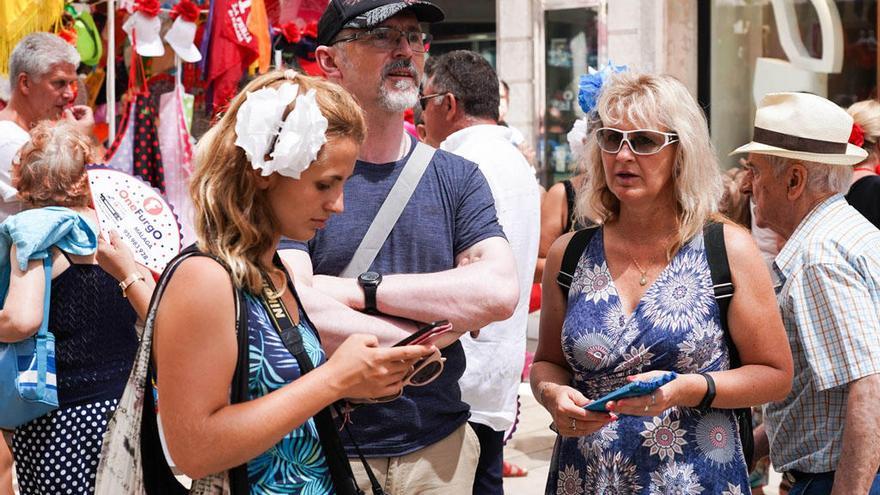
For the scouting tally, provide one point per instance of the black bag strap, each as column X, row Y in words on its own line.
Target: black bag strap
column 569, row 203
column 722, row 284
column 158, row 478
column 334, row 452
column 576, row 246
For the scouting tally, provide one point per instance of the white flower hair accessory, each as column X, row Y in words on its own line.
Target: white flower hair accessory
column 577, row 137
column 302, row 135
column 297, row 139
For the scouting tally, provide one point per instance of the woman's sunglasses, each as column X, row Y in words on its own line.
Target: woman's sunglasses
column 640, row 141
column 425, row 371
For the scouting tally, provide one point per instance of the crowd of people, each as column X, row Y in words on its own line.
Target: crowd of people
column 352, row 315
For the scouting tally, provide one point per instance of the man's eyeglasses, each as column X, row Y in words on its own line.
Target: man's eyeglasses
column 640, row 141
column 423, row 99
column 388, row 38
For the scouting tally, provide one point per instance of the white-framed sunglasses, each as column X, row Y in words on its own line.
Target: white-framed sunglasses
column 640, row 141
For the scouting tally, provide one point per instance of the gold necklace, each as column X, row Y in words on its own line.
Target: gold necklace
column 643, row 280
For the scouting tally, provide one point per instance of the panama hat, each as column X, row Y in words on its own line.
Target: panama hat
column 803, row 126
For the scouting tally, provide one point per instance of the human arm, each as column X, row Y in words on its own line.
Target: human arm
column 115, row 258
column 554, row 211
column 482, row 288
column 860, row 455
column 550, row 376
column 195, row 332
column 22, row 311
column 757, row 332
column 336, row 320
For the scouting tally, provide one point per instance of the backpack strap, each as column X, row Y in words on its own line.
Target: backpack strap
column 722, row 284
column 576, row 246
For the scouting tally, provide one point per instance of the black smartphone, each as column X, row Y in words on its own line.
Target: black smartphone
column 422, row 333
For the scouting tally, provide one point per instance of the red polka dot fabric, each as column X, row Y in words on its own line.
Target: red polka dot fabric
column 147, row 157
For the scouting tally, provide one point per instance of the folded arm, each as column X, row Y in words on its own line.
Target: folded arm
column 482, row 288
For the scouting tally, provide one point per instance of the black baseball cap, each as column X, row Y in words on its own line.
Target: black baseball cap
column 363, row 14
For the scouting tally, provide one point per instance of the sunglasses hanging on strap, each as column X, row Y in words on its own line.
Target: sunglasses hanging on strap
column 334, row 452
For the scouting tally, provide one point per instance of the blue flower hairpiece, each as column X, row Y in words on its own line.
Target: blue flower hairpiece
column 590, row 86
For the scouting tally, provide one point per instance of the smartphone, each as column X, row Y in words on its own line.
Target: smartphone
column 426, row 333
column 631, row 389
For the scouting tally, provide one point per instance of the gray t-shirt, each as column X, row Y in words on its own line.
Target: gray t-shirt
column 451, row 210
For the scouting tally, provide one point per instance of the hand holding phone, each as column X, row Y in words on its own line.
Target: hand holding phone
column 631, row 389
column 426, row 335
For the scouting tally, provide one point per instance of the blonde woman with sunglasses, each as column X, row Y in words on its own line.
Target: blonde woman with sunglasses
column 641, row 304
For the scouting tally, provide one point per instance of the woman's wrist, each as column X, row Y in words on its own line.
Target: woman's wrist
column 690, row 390
column 544, row 392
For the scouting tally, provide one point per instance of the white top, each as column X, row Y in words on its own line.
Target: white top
column 12, row 138
column 495, row 359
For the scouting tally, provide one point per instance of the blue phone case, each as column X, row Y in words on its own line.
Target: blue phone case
column 631, row 389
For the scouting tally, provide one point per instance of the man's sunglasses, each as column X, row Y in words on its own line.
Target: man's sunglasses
column 388, row 38
column 423, row 99
column 640, row 141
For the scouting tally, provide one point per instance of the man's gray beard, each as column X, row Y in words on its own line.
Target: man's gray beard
column 404, row 95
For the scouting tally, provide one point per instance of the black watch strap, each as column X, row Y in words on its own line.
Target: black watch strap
column 370, row 298
column 706, row 403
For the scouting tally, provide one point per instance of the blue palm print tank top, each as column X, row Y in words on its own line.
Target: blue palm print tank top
column 296, row 464
column 676, row 326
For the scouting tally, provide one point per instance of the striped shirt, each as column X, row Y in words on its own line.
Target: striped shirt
column 830, row 303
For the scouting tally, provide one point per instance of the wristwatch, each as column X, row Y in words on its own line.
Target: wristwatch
column 369, row 282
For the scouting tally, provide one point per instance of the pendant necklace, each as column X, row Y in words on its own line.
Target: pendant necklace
column 643, row 280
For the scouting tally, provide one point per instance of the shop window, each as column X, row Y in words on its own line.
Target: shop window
column 570, row 43
column 743, row 32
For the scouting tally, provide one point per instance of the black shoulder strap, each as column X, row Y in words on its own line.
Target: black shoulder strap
column 576, row 246
column 334, row 451
column 158, row 478
column 722, row 284
column 569, row 202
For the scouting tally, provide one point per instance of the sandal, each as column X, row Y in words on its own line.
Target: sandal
column 510, row 470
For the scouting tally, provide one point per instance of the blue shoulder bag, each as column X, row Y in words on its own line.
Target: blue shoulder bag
column 27, row 371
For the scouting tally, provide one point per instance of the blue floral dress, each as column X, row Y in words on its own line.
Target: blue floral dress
column 675, row 326
column 296, row 464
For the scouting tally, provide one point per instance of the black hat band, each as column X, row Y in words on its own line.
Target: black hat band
column 797, row 143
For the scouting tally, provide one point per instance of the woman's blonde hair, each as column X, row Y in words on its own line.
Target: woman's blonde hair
column 655, row 102
column 866, row 113
column 233, row 218
column 51, row 168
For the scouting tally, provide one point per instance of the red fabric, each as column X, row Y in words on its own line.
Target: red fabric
column 229, row 59
column 290, row 32
column 235, row 28
column 148, row 7
column 186, row 9
column 535, row 299
column 856, row 136
column 146, row 154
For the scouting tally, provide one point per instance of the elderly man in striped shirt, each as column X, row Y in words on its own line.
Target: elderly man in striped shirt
column 825, row 436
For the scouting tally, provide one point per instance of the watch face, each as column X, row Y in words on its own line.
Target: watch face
column 369, row 277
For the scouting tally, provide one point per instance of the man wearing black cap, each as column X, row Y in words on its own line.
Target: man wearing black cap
column 445, row 258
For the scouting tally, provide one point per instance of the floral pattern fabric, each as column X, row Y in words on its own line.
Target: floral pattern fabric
column 296, row 464
column 676, row 327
